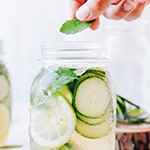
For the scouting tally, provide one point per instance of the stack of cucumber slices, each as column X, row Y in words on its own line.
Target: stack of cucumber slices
column 83, row 104
column 92, row 104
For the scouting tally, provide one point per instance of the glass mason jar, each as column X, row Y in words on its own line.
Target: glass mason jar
column 5, row 100
column 72, row 99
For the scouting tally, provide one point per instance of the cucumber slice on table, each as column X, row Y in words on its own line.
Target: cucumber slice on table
column 91, row 95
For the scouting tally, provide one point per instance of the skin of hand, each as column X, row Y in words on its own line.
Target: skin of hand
column 87, row 10
column 126, row 9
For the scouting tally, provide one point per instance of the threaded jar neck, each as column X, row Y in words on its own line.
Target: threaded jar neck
column 75, row 53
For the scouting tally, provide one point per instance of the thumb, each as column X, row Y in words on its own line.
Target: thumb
column 92, row 9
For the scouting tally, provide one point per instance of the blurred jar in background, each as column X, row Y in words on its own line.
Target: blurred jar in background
column 5, row 100
column 130, row 51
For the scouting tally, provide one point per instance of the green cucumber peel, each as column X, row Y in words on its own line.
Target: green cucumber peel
column 98, row 71
column 130, row 112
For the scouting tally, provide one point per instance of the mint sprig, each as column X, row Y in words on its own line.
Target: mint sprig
column 74, row 26
column 64, row 77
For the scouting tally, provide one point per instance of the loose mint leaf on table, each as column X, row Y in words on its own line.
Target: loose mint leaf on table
column 74, row 26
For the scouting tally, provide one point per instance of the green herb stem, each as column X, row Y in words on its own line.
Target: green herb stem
column 10, row 146
column 129, row 102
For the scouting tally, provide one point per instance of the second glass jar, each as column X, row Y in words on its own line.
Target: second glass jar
column 72, row 99
column 5, row 99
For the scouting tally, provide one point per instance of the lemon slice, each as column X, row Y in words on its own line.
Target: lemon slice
column 53, row 126
column 4, row 119
column 4, row 87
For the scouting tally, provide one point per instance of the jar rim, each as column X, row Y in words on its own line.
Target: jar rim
column 79, row 52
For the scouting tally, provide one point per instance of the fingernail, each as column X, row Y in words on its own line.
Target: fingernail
column 129, row 5
column 83, row 13
column 115, row 1
column 141, row 1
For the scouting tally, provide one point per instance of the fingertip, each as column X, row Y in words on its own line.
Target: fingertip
column 148, row 2
column 92, row 9
column 83, row 13
column 121, row 10
column 129, row 5
column 137, row 12
column 95, row 25
column 76, row 4
column 141, row 1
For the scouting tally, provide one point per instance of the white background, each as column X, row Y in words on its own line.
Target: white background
column 24, row 24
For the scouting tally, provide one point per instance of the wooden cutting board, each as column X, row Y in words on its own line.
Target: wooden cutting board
column 132, row 136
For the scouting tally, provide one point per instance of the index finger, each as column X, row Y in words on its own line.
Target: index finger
column 76, row 5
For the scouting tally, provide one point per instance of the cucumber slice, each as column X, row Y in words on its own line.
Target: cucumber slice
column 93, row 131
column 99, row 71
column 66, row 93
column 91, row 96
column 90, row 121
column 95, row 121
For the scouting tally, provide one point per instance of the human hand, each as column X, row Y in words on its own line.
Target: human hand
column 87, row 10
column 126, row 9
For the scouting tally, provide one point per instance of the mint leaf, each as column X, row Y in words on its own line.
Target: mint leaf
column 64, row 77
column 47, row 98
column 43, row 101
column 71, row 146
column 74, row 26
